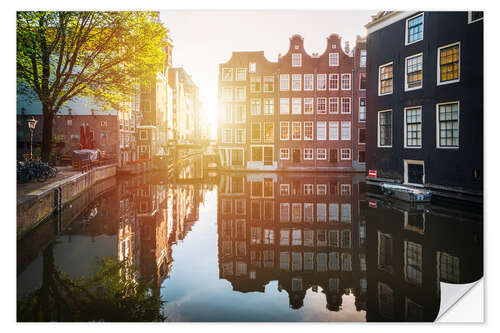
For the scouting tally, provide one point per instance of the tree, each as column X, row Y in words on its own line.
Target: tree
column 102, row 55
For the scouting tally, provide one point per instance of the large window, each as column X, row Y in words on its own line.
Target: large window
column 449, row 63
column 308, row 81
column 255, row 106
column 346, row 82
column 256, row 133
column 333, row 82
column 227, row 135
column 333, row 105
column 413, row 127
column 413, row 79
column 240, row 115
column 333, row 130
column 321, row 105
column 296, row 105
column 252, row 67
column 321, row 130
column 321, row 155
column 296, row 82
column 345, row 154
column 296, row 60
column 296, row 130
column 268, row 84
column 413, row 262
column 308, row 130
column 385, row 128
column 321, row 85
column 257, row 154
column 385, row 79
column 284, row 105
column 227, row 74
column 362, row 58
column 268, row 131
column 362, row 109
column 346, row 105
column 227, row 110
column 268, row 106
column 333, row 59
column 448, row 125
column 308, row 153
column 284, row 130
column 345, row 130
column 227, row 93
column 255, row 84
column 308, row 105
column 284, row 153
column 362, row 81
column 241, row 74
column 284, row 82
column 415, row 29
column 240, row 94
column 240, row 136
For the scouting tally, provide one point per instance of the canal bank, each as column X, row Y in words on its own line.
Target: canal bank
column 34, row 207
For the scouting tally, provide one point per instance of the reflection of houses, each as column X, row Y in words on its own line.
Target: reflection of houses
column 302, row 230
column 414, row 248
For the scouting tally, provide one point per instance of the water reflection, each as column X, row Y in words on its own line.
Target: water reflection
column 256, row 247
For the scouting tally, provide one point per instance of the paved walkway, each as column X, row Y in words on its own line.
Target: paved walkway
column 63, row 172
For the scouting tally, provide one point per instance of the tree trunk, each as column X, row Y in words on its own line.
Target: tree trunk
column 48, row 118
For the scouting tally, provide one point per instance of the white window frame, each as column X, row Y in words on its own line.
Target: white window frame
column 342, row 81
column 335, row 78
column 378, row 128
column 336, row 102
column 439, row 83
column 359, row 110
column 284, row 153
column 437, row 125
column 333, row 130
column 294, row 104
column 342, row 105
column 284, row 124
column 284, row 188
column 325, row 111
column 405, row 127
column 252, row 67
column 406, row 72
column 309, row 100
column 255, row 79
column 267, row 113
column 342, row 130
column 309, row 150
column 238, row 70
column 227, row 98
column 284, row 78
column 267, row 79
column 406, row 29
column 311, row 125
column 300, row 130
column 296, row 78
column 379, row 73
column 342, row 151
column 333, row 59
column 224, row 137
column 296, row 59
column 318, row 150
column 227, row 69
column 362, row 55
column 405, row 173
column 309, row 78
column 322, row 138
column 282, row 105
column 244, row 118
column 242, row 130
column 252, row 103
column 366, row 82
column 469, row 18
column 321, row 77
column 240, row 98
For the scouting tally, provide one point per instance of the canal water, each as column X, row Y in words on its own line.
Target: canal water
column 196, row 246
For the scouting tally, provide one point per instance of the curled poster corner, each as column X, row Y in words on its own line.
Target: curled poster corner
column 453, row 308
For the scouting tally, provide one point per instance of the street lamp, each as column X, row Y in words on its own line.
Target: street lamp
column 31, row 125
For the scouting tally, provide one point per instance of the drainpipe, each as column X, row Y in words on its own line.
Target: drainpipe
column 314, row 129
column 352, row 106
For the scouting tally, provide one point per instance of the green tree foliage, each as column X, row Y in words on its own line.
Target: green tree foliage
column 109, row 293
column 102, row 55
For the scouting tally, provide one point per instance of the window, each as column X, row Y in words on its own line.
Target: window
column 362, row 109
column 296, row 105
column 227, row 74
column 385, row 79
column 227, row 135
column 240, row 94
column 268, row 131
column 296, row 130
column 252, row 67
column 241, row 74
column 255, row 107
column 321, row 105
column 284, row 130
column 255, row 84
column 333, row 105
column 308, row 258
column 448, row 268
column 284, row 82
column 227, row 93
column 256, row 132
column 413, row 78
column 308, row 130
column 284, row 189
column 345, row 189
column 413, row 127
column 284, row 153
column 308, row 105
column 296, row 60
column 321, row 188
column 333, row 81
column 362, row 135
column 284, row 105
column 237, row 157
column 449, row 63
column 268, row 106
column 308, row 153
column 296, row 82
column 308, row 82
column 69, row 122
column 333, row 130
column 321, row 154
column 362, row 58
column 345, row 130
column 415, row 29
column 308, row 212
column 346, row 82
column 321, row 130
column 241, row 113
column 413, row 262
column 257, row 154
column 448, row 126
column 385, row 128
column 345, row 154
column 321, row 85
column 475, row 16
column 333, row 59
column 362, row 81
column 333, row 215
column 321, row 213
column 268, row 84
column 414, row 172
column 308, row 189
column 240, row 136
column 296, row 212
column 284, row 212
column 346, row 105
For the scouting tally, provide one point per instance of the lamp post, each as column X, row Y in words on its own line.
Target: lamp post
column 31, row 125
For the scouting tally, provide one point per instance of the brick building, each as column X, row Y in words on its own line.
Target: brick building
column 304, row 112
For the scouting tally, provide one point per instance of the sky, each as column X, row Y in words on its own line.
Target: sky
column 203, row 39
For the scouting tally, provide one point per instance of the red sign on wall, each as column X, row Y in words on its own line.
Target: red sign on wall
column 372, row 173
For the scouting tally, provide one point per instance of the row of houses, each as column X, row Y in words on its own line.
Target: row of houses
column 165, row 112
column 405, row 104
